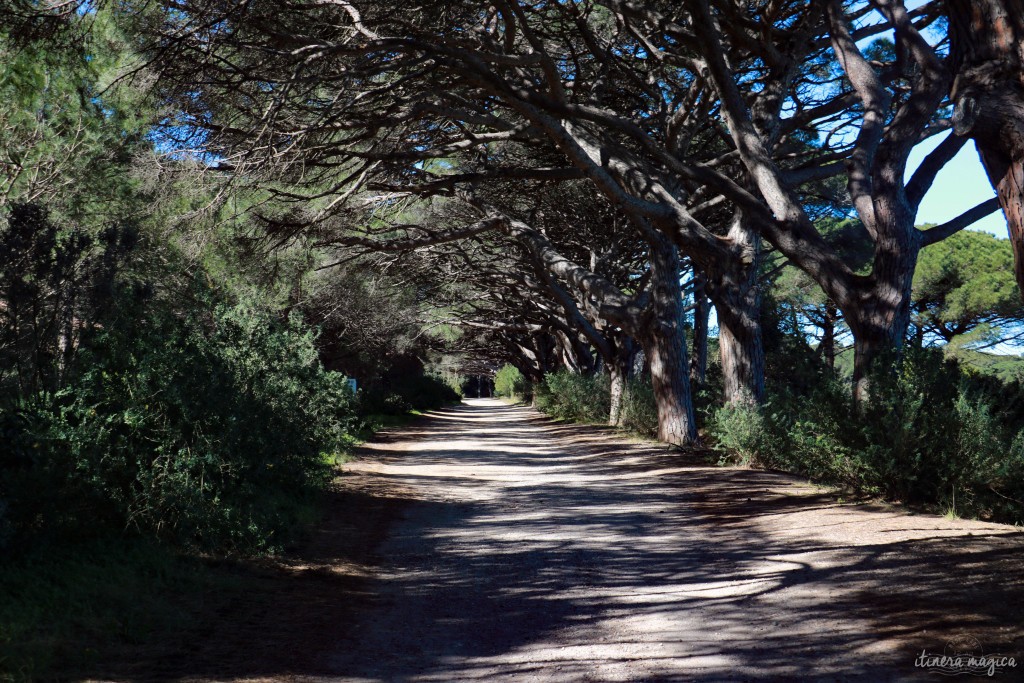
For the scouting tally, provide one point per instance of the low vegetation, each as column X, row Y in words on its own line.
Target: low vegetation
column 931, row 434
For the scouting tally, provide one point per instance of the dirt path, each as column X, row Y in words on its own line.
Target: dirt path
column 533, row 551
column 510, row 548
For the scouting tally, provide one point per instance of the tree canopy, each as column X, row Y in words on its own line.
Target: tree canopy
column 965, row 292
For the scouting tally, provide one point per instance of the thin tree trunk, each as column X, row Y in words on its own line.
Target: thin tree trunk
column 701, row 316
column 620, row 369
column 584, row 358
column 570, row 361
column 617, row 375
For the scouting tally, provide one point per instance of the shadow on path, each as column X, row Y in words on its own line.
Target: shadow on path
column 486, row 542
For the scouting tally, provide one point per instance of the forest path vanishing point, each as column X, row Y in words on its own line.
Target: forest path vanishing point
column 504, row 546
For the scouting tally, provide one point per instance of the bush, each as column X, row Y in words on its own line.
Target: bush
column 579, row 398
column 454, row 383
column 639, row 411
column 740, row 430
column 416, row 392
column 214, row 435
column 509, row 382
column 928, row 435
column 587, row 398
column 428, row 392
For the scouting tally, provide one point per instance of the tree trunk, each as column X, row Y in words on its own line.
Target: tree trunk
column 880, row 323
column 701, row 315
column 988, row 54
column 664, row 345
column 567, row 354
column 617, row 376
column 828, row 337
column 620, row 370
column 666, row 354
column 742, row 352
column 737, row 300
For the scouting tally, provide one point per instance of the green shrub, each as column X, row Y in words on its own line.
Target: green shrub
column 213, row 434
column 639, row 411
column 428, row 392
column 454, row 382
column 741, row 430
column 579, row 398
column 509, row 382
column 416, row 392
column 586, row 398
column 928, row 434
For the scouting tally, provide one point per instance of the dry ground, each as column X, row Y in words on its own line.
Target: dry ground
column 486, row 543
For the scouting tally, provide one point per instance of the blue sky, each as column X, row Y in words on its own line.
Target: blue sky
column 961, row 185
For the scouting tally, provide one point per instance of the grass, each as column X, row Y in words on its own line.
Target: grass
column 72, row 608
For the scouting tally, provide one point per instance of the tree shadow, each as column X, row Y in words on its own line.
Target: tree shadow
column 502, row 545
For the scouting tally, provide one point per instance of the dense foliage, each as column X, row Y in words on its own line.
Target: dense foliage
column 930, row 434
column 965, row 294
column 203, row 425
column 510, row 382
column 568, row 396
column 414, row 392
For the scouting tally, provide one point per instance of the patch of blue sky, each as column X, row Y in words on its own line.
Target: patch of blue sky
column 182, row 142
column 959, row 186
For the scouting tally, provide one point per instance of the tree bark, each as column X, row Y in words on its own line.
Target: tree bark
column 620, row 369
column 737, row 301
column 880, row 323
column 742, row 352
column 664, row 344
column 568, row 354
column 988, row 55
column 701, row 316
column 667, row 356
column 617, row 376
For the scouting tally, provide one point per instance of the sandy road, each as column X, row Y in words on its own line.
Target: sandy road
column 528, row 551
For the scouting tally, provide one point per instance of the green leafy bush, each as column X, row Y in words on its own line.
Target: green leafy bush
column 740, row 430
column 586, row 398
column 212, row 434
column 415, row 392
column 428, row 392
column 509, row 382
column 453, row 381
column 929, row 434
column 639, row 411
column 579, row 398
